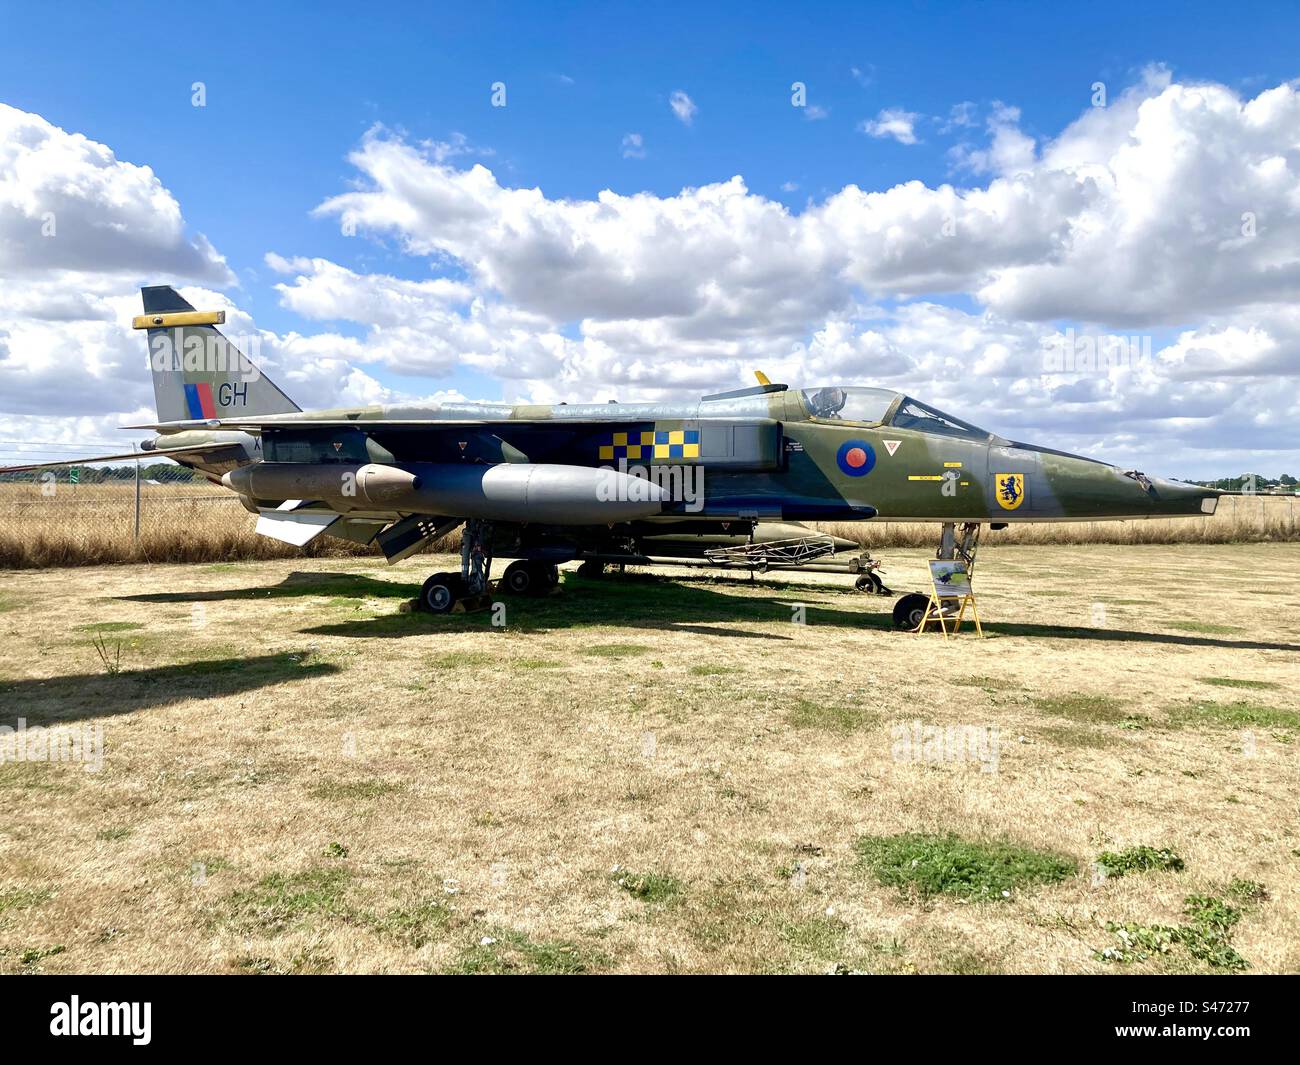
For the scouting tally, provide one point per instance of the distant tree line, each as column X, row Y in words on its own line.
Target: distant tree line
column 1251, row 481
column 154, row 471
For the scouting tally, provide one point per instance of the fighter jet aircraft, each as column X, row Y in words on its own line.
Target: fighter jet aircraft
column 598, row 482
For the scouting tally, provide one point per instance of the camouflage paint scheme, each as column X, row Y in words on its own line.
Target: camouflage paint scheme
column 768, row 453
column 907, row 485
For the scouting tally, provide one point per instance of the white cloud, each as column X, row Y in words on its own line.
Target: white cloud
column 1130, row 217
column 815, row 113
column 898, row 124
column 1010, row 151
column 960, row 116
column 633, row 146
column 864, row 76
column 68, row 203
column 683, row 107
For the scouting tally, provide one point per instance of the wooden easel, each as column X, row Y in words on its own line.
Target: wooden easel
column 934, row 612
column 950, row 582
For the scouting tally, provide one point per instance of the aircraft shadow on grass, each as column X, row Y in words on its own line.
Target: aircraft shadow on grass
column 296, row 584
column 85, row 696
column 649, row 601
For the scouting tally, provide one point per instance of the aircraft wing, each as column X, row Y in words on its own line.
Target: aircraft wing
column 159, row 453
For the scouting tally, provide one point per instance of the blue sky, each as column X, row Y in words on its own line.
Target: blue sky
column 291, row 90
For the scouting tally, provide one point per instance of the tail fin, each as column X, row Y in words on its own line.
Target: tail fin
column 197, row 372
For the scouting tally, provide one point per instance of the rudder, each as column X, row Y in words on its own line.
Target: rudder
column 197, row 373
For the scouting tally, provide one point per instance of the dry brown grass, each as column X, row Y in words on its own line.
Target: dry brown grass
column 637, row 775
column 94, row 524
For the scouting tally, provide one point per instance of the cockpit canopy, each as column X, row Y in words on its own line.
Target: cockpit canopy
column 881, row 406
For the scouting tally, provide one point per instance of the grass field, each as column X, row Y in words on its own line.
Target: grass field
column 94, row 524
column 639, row 774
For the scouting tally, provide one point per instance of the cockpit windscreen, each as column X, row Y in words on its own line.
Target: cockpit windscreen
column 849, row 404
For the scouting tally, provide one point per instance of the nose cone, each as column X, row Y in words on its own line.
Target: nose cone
column 1082, row 489
column 1179, row 497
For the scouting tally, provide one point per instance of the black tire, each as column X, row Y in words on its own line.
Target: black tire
column 520, row 578
column 910, row 610
column 591, row 570
column 441, row 592
column 869, row 583
column 529, row 577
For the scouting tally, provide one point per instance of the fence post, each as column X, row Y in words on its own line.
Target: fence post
column 137, row 495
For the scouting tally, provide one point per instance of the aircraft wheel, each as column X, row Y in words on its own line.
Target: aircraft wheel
column 910, row 610
column 591, row 569
column 527, row 577
column 440, row 593
column 868, row 582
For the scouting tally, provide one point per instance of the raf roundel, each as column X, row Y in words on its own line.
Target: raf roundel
column 856, row 457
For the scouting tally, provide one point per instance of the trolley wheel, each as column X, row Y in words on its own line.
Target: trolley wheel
column 868, row 582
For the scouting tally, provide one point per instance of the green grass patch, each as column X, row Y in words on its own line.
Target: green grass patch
column 1207, row 627
column 989, row 684
column 280, row 899
column 712, row 671
column 1207, row 935
column 616, row 650
column 1137, row 942
column 354, row 789
column 13, row 899
column 463, row 660
column 1247, row 890
column 1206, row 932
column 34, row 955
column 508, row 951
column 1140, row 859
column 1236, row 714
column 657, row 888
column 821, row 937
column 1076, row 736
column 110, row 626
column 1096, row 709
column 112, row 835
column 926, row 865
column 415, row 925
column 537, row 663
column 1240, row 682
column 807, row 714
column 205, row 865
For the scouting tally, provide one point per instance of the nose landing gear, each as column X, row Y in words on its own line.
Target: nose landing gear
column 910, row 609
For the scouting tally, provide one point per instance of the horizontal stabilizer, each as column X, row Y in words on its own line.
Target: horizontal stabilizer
column 125, row 456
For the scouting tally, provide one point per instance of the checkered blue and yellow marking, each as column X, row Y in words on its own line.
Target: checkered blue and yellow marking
column 652, row 444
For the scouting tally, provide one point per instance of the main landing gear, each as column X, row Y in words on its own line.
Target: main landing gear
column 471, row 589
column 530, row 577
column 910, row 609
column 444, row 593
